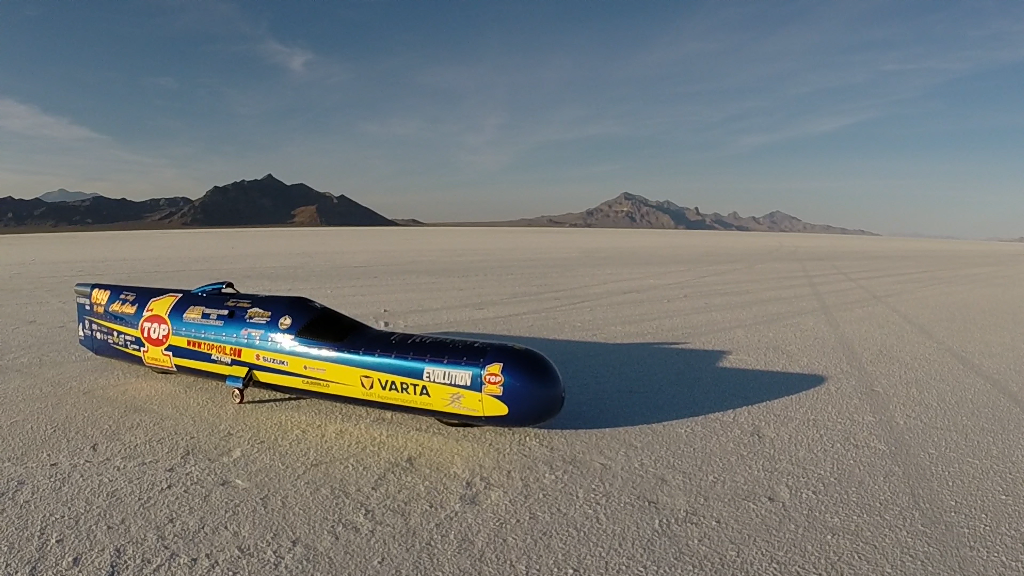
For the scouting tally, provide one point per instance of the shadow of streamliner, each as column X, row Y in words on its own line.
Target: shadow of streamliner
column 619, row 385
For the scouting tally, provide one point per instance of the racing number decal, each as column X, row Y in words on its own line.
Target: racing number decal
column 99, row 299
column 155, row 329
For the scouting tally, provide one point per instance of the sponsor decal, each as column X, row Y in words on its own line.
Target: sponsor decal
column 455, row 401
column 285, row 322
column 123, row 308
column 204, row 315
column 99, row 299
column 315, row 369
column 81, row 333
column 127, row 296
column 249, row 332
column 155, row 329
column 264, row 359
column 215, row 348
column 81, row 300
column 220, row 359
column 317, row 383
column 392, row 391
column 257, row 316
column 493, row 379
column 448, row 376
column 192, row 314
column 395, row 386
column 238, row 303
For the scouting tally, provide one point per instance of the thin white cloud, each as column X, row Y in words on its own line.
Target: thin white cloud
column 488, row 137
column 805, row 128
column 245, row 33
column 27, row 170
column 164, row 82
column 40, row 152
column 810, row 77
column 28, row 120
column 291, row 57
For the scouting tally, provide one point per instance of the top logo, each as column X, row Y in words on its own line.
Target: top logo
column 493, row 380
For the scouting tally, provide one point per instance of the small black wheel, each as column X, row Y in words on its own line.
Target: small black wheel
column 456, row 423
column 237, row 396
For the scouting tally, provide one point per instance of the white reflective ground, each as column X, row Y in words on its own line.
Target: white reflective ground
column 737, row 403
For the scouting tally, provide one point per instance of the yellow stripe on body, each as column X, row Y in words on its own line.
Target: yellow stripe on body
column 346, row 381
column 128, row 350
column 302, row 383
column 214, row 367
column 339, row 379
column 125, row 329
column 493, row 406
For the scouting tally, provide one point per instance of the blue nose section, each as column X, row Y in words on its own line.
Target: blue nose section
column 532, row 387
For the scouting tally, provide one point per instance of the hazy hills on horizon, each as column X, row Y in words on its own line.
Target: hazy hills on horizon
column 63, row 195
column 629, row 210
column 270, row 202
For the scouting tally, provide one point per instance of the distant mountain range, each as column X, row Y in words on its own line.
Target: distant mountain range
column 62, row 195
column 263, row 202
column 270, row 202
column 632, row 211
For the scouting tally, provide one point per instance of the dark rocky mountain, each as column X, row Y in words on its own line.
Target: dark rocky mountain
column 62, row 195
column 269, row 201
column 263, row 202
column 95, row 211
column 632, row 211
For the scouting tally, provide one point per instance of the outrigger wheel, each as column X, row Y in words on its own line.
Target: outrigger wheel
column 238, row 385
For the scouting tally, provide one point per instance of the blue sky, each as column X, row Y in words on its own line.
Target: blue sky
column 899, row 117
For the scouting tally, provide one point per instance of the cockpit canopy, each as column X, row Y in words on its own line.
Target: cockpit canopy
column 329, row 326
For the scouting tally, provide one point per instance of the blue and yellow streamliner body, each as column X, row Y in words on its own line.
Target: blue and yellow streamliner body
column 297, row 346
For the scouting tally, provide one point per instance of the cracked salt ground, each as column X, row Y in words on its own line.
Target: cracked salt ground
column 736, row 404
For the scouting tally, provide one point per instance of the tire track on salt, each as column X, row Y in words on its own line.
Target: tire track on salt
column 959, row 357
column 907, row 459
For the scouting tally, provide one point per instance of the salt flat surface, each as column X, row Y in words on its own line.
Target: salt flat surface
column 737, row 403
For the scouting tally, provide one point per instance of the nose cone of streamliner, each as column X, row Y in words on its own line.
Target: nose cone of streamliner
column 528, row 383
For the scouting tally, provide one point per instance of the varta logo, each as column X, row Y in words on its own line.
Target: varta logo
column 395, row 386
